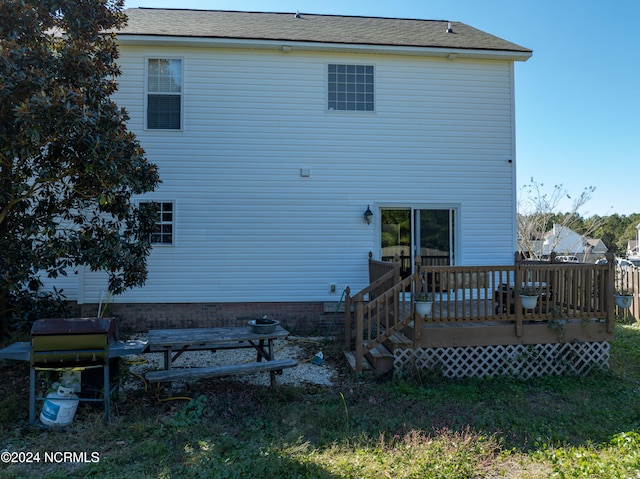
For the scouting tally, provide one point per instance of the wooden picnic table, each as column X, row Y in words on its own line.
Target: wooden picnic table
column 174, row 342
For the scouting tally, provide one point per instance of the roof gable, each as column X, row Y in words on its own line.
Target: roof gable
column 333, row 29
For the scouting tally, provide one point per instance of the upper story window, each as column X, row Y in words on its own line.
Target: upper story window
column 164, row 94
column 350, row 87
column 163, row 231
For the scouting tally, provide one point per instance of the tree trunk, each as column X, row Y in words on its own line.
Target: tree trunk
column 4, row 314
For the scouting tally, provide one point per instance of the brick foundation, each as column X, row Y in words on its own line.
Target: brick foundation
column 298, row 318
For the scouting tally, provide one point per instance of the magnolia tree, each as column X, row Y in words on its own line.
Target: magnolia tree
column 68, row 165
column 539, row 211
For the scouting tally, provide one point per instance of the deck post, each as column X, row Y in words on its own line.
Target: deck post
column 517, row 279
column 372, row 278
column 359, row 318
column 347, row 319
column 396, row 268
column 416, row 287
column 611, row 305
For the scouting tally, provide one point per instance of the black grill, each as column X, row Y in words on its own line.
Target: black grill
column 58, row 342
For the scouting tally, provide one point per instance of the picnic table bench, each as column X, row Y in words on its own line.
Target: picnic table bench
column 220, row 371
column 175, row 342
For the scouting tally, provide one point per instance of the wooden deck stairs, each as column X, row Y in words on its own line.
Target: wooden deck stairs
column 379, row 359
column 375, row 318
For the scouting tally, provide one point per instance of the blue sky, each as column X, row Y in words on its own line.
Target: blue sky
column 577, row 98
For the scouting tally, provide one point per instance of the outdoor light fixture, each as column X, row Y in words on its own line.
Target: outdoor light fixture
column 368, row 215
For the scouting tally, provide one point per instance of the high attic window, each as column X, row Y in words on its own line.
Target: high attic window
column 350, row 87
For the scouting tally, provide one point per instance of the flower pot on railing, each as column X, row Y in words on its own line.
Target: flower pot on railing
column 424, row 304
column 528, row 301
column 623, row 300
column 423, row 308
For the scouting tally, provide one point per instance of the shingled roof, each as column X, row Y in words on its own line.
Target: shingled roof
column 329, row 29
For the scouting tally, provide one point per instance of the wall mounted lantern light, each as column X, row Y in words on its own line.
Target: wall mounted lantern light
column 368, row 215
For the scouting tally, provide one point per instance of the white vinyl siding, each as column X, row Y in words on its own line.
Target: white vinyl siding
column 254, row 229
column 67, row 284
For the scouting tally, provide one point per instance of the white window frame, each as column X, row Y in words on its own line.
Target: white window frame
column 456, row 241
column 162, row 222
column 147, row 93
column 355, row 101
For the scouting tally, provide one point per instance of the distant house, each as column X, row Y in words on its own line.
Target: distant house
column 565, row 242
column 595, row 249
column 275, row 133
column 633, row 246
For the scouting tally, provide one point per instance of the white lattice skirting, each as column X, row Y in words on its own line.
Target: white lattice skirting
column 513, row 360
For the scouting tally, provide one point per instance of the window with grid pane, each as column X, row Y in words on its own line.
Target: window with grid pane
column 350, row 87
column 163, row 231
column 164, row 94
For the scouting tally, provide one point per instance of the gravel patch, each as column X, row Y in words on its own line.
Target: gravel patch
column 302, row 349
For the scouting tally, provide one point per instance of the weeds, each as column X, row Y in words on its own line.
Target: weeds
column 346, row 409
column 190, row 415
column 620, row 458
column 415, row 425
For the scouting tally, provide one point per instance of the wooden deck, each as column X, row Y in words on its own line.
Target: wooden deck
column 493, row 333
column 480, row 306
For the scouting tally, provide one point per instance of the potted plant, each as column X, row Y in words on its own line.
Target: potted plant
column 424, row 303
column 623, row 298
column 529, row 297
column 423, row 300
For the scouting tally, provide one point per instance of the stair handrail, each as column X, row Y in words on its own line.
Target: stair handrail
column 401, row 295
column 362, row 296
column 363, row 305
column 380, row 273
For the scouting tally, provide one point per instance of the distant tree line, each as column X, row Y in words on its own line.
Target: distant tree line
column 615, row 230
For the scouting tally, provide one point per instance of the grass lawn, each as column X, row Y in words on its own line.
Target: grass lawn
column 405, row 427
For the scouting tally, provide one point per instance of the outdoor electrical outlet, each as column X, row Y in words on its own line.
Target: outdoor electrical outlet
column 332, row 288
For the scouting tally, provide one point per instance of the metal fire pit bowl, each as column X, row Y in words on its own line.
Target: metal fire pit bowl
column 263, row 326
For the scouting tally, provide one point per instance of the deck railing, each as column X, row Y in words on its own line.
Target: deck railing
column 492, row 293
column 383, row 277
column 472, row 294
column 627, row 278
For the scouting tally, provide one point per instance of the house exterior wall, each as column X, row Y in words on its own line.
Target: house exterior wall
column 632, row 246
column 250, row 228
column 67, row 285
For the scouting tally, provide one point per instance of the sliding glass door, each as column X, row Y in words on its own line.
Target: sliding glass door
column 425, row 232
column 434, row 235
column 395, row 238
